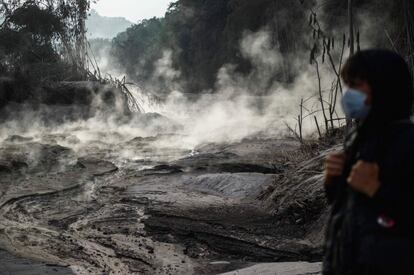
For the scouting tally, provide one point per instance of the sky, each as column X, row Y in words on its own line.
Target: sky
column 133, row 10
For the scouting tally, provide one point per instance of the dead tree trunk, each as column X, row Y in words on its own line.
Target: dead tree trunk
column 81, row 39
column 351, row 28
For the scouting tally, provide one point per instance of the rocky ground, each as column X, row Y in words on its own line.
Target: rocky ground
column 105, row 203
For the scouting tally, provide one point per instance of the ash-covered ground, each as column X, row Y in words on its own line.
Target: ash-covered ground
column 87, row 199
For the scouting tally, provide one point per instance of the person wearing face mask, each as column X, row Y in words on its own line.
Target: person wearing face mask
column 370, row 185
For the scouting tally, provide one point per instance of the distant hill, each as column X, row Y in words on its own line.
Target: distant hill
column 105, row 27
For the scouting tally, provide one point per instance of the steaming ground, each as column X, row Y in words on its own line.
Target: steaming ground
column 203, row 185
column 191, row 186
column 150, row 195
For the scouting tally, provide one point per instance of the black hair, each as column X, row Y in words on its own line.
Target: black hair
column 391, row 82
column 390, row 79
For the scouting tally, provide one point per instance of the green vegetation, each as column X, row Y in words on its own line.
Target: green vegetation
column 43, row 40
column 140, row 46
column 205, row 35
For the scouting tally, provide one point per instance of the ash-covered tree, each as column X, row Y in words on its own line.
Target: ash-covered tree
column 139, row 47
column 205, row 35
column 380, row 23
column 43, row 40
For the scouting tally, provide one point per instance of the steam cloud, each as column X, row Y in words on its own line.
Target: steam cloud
column 242, row 106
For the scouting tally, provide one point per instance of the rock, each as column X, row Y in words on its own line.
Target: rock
column 97, row 167
column 18, row 139
column 196, row 215
column 61, row 101
column 295, row 268
column 244, row 168
column 163, row 170
column 11, row 264
column 240, row 185
column 5, row 167
column 224, row 163
column 36, row 157
column 220, row 263
column 250, row 156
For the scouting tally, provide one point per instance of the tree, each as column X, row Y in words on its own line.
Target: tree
column 385, row 23
column 205, row 35
column 351, row 27
column 59, row 25
column 139, row 47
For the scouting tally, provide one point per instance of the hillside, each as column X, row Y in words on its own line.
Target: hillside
column 105, row 27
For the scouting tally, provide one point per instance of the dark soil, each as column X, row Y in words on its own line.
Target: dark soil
column 93, row 206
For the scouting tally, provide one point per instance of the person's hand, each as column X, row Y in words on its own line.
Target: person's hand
column 364, row 178
column 334, row 166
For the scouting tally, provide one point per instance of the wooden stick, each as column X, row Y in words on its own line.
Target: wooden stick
column 317, row 126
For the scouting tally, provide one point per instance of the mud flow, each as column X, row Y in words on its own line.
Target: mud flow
column 84, row 198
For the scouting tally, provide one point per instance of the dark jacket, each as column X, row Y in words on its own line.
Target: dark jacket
column 375, row 235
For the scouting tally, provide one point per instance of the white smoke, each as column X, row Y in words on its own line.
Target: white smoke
column 242, row 106
column 164, row 68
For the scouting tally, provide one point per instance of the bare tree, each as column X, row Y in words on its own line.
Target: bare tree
column 81, row 42
column 351, row 28
column 324, row 49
